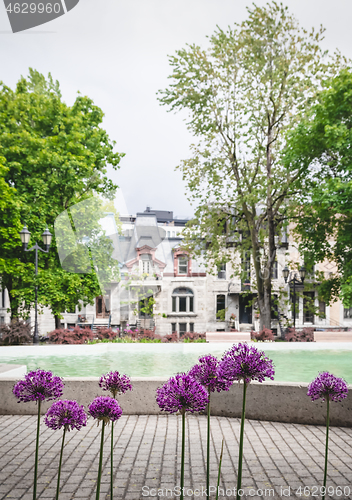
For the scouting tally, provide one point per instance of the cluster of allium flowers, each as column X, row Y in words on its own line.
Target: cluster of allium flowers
column 38, row 385
column 246, row 363
column 182, row 393
column 65, row 413
column 115, row 383
column 105, row 408
column 327, row 386
column 206, row 372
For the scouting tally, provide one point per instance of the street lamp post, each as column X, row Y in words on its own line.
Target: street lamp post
column 294, row 280
column 25, row 237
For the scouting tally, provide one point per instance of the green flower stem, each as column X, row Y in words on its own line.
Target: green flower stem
column 60, row 462
column 100, row 462
column 219, row 471
column 36, row 455
column 326, row 444
column 240, row 456
column 112, row 462
column 183, row 451
column 208, row 445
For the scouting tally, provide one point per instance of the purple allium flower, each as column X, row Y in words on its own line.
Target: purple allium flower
column 38, row 386
column 115, row 383
column 246, row 363
column 326, row 385
column 182, row 392
column 65, row 413
column 105, row 408
column 206, row 372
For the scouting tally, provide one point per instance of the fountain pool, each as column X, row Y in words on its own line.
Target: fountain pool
column 294, row 362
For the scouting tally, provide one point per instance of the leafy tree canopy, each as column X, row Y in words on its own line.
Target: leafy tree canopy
column 53, row 156
column 322, row 146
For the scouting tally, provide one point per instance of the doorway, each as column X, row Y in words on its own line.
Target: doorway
column 103, row 305
column 245, row 308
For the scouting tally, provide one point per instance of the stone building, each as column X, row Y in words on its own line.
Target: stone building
column 187, row 298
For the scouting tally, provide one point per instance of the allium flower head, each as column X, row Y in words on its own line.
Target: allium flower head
column 182, row 393
column 244, row 362
column 65, row 413
column 105, row 408
column 206, row 372
column 115, row 383
column 38, row 386
column 327, row 386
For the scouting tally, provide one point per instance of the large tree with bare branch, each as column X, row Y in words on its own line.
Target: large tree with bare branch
column 243, row 93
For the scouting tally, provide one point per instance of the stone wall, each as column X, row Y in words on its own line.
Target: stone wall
column 271, row 401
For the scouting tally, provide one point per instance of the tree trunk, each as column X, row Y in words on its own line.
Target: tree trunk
column 57, row 321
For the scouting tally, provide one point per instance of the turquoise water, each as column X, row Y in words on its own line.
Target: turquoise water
column 159, row 360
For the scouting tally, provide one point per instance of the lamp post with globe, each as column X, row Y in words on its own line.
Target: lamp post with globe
column 294, row 281
column 25, row 237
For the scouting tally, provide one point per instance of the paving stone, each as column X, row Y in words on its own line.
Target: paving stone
column 147, row 453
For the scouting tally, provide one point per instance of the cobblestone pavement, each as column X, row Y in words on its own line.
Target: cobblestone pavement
column 278, row 459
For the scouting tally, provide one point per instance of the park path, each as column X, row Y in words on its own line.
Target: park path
column 280, row 459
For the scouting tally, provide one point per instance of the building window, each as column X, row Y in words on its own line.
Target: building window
column 220, row 307
column 308, row 305
column 3, row 298
column 2, row 320
column 146, row 264
column 182, row 300
column 274, row 307
column 274, row 271
column 246, row 267
column 173, row 327
column 347, row 313
column 191, row 327
column 182, row 265
column 222, row 272
column 183, row 328
column 322, row 309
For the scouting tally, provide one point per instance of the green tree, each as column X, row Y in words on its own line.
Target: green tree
column 242, row 94
column 322, row 146
column 55, row 156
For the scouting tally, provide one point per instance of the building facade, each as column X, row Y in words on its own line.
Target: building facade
column 156, row 274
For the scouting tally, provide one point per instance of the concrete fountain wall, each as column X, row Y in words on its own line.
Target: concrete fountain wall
column 271, row 401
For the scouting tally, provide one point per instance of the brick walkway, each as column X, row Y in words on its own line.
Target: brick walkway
column 147, row 454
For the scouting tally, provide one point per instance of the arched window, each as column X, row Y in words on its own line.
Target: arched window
column 182, row 300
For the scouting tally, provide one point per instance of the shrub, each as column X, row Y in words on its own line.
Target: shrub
column 304, row 335
column 192, row 336
column 105, row 333
column 173, row 337
column 16, row 333
column 76, row 336
column 265, row 334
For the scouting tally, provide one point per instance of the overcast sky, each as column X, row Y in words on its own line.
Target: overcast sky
column 116, row 53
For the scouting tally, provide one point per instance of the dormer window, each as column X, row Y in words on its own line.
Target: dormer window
column 182, row 265
column 146, row 264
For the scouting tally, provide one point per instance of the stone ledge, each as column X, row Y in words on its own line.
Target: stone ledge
column 271, row 401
